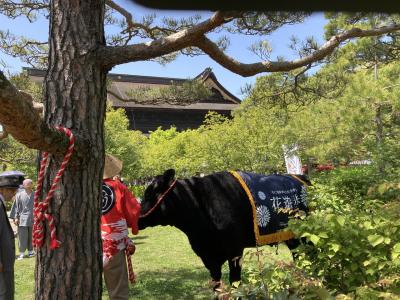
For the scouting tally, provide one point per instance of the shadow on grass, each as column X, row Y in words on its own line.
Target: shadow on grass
column 139, row 237
column 172, row 284
column 139, row 243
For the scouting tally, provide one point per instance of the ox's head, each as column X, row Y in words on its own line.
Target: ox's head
column 153, row 209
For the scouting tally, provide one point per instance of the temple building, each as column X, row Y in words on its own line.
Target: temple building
column 148, row 117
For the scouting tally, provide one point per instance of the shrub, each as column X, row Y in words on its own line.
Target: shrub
column 138, row 190
column 268, row 275
column 353, row 244
column 351, row 181
column 387, row 191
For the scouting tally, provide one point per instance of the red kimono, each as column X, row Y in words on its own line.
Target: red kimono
column 120, row 210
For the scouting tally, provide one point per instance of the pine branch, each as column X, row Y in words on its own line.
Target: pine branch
column 246, row 70
column 127, row 15
column 27, row 8
column 264, row 23
column 22, row 121
column 30, row 51
column 132, row 29
column 114, row 55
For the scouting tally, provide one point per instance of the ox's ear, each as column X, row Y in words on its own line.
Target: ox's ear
column 169, row 176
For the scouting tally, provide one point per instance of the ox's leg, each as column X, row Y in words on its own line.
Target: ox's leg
column 214, row 265
column 294, row 243
column 235, row 269
column 215, row 270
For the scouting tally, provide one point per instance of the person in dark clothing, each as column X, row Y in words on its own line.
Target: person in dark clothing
column 7, row 244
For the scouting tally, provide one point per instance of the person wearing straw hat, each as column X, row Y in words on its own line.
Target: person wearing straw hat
column 120, row 210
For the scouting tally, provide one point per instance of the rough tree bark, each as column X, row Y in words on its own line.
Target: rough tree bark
column 75, row 97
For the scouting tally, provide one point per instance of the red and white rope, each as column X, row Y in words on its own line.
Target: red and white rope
column 40, row 208
column 129, row 250
column 110, row 248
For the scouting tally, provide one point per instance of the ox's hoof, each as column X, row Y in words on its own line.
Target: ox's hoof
column 217, row 286
column 224, row 296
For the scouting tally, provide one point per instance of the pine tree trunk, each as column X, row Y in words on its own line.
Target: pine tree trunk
column 75, row 97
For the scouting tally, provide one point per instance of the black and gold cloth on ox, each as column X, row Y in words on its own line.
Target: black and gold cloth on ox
column 273, row 199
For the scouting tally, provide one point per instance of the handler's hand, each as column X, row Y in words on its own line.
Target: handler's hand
column 132, row 249
column 16, row 221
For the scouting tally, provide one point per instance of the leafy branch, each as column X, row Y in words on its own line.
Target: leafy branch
column 30, row 51
column 27, row 8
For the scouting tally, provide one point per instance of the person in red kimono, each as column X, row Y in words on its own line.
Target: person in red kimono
column 120, row 211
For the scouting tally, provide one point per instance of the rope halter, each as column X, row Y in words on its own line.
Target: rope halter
column 161, row 198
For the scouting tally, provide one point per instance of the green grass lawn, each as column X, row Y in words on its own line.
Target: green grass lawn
column 165, row 265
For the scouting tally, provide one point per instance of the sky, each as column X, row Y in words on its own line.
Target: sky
column 185, row 67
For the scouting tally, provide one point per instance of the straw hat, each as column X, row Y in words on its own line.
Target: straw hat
column 112, row 166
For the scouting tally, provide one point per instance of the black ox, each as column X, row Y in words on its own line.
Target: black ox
column 213, row 211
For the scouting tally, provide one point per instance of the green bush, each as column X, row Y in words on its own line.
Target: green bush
column 351, row 182
column 269, row 274
column 137, row 190
column 386, row 191
column 352, row 246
